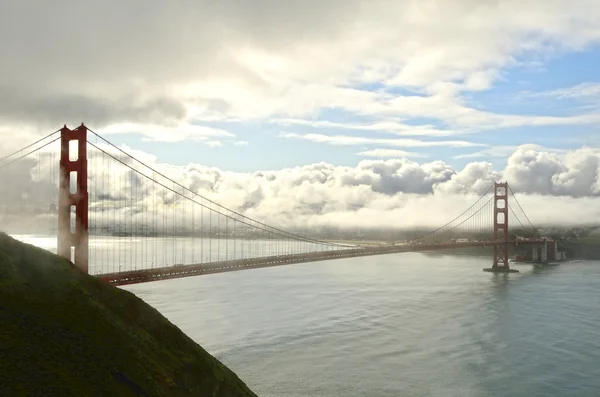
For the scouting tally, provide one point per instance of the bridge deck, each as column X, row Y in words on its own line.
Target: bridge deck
column 179, row 271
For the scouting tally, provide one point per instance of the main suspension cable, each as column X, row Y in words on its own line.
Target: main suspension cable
column 269, row 227
column 30, row 145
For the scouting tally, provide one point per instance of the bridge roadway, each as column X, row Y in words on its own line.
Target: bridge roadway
column 179, row 271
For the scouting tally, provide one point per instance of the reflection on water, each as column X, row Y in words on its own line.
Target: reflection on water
column 110, row 254
column 396, row 325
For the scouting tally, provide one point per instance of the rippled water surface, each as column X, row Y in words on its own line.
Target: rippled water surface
column 396, row 325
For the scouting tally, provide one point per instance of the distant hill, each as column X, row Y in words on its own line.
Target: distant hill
column 65, row 333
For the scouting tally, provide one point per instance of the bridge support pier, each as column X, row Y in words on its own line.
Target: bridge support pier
column 500, row 236
column 544, row 257
column 500, row 269
column 73, row 205
column 535, row 257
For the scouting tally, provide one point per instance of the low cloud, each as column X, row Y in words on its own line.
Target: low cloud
column 575, row 173
column 399, row 193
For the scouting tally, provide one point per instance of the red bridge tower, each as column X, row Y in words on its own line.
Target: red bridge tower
column 500, row 237
column 73, row 205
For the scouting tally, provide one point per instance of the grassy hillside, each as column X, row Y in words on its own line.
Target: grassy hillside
column 65, row 333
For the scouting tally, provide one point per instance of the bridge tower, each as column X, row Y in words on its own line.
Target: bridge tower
column 73, row 198
column 500, row 231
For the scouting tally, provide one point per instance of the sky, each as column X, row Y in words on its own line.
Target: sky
column 355, row 101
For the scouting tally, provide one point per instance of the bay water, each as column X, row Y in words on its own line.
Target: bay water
column 396, row 325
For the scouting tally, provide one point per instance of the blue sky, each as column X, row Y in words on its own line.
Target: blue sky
column 516, row 91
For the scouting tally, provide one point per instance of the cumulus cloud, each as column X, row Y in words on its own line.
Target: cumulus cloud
column 475, row 178
column 398, row 193
column 405, row 193
column 576, row 173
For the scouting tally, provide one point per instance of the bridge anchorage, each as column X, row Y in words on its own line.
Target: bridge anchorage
column 124, row 221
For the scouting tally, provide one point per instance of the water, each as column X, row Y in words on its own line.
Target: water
column 110, row 254
column 396, row 325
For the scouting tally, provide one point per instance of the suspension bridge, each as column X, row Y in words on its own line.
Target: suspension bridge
column 125, row 221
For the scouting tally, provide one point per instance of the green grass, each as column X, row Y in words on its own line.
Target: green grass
column 65, row 333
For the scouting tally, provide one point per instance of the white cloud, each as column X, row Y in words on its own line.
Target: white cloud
column 553, row 189
column 178, row 64
column 575, row 173
column 16, row 136
column 241, row 143
column 395, row 153
column 170, row 133
column 583, row 90
column 345, row 140
column 504, row 151
column 213, row 143
column 174, row 65
column 387, row 126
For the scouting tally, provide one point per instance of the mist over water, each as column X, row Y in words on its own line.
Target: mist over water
column 404, row 324
column 110, row 254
